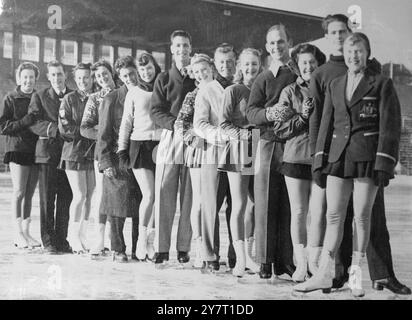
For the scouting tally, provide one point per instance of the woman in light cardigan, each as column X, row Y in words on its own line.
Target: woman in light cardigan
column 138, row 140
column 237, row 161
column 202, row 69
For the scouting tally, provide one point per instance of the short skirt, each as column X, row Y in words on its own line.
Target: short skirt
column 142, row 154
column 21, row 158
column 238, row 156
column 76, row 166
column 345, row 168
column 297, row 170
column 193, row 156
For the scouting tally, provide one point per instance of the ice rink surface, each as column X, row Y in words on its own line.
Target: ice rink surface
column 31, row 274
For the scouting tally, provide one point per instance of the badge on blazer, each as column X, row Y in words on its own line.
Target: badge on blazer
column 369, row 109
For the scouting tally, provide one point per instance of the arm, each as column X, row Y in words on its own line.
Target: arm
column 67, row 126
column 184, row 120
column 255, row 112
column 105, row 134
column 126, row 125
column 325, row 133
column 41, row 126
column 90, row 120
column 160, row 106
column 201, row 122
column 389, row 128
column 318, row 95
column 226, row 115
column 8, row 125
column 293, row 123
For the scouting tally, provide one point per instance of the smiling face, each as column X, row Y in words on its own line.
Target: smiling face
column 277, row 45
column 307, row 64
column 147, row 72
column 249, row 66
column 225, row 64
column 27, row 80
column 356, row 55
column 181, row 49
column 202, row 72
column 103, row 77
column 56, row 77
column 337, row 33
column 83, row 79
column 128, row 76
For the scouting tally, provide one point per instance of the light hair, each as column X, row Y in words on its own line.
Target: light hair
column 279, row 27
column 359, row 37
column 238, row 78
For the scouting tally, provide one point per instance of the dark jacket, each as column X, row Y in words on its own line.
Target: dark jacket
column 15, row 122
column 44, row 105
column 367, row 128
column 265, row 93
column 75, row 147
column 121, row 194
column 169, row 91
column 110, row 118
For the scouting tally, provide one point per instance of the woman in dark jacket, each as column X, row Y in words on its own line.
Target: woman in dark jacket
column 20, row 147
column 77, row 157
column 357, row 148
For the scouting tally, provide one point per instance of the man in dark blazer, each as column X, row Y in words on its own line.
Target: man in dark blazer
column 121, row 194
column 379, row 250
column 54, row 188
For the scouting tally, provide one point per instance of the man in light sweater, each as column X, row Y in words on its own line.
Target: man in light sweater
column 214, row 183
column 169, row 91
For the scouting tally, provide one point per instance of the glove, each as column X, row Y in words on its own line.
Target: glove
column 307, row 108
column 124, row 159
column 110, row 172
column 279, row 113
column 381, row 178
column 319, row 178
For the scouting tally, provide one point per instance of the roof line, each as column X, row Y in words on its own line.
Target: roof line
column 251, row 6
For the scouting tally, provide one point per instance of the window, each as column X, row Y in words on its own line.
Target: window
column 69, row 52
column 87, row 52
column 107, row 53
column 30, row 48
column 8, row 45
column 160, row 58
column 122, row 51
column 139, row 51
column 49, row 49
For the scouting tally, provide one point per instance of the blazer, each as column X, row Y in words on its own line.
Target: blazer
column 76, row 147
column 15, row 123
column 367, row 128
column 44, row 105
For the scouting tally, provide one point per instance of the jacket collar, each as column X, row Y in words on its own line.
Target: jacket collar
column 365, row 85
column 18, row 94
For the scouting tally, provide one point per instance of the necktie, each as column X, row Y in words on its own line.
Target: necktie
column 183, row 71
column 61, row 95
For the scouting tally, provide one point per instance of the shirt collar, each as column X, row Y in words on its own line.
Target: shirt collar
column 275, row 66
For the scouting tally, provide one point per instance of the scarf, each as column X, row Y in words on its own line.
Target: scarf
column 223, row 81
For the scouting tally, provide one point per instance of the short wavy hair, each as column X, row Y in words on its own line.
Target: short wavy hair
column 124, row 62
column 27, row 66
column 308, row 48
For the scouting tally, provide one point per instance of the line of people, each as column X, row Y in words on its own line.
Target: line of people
column 303, row 136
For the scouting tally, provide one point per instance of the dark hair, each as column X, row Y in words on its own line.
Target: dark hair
column 335, row 17
column 27, row 66
column 145, row 58
column 124, row 62
column 279, row 27
column 225, row 48
column 308, row 48
column 101, row 63
column 359, row 37
column 81, row 66
column 180, row 33
column 54, row 63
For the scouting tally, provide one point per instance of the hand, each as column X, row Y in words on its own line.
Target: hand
column 109, row 172
column 124, row 159
column 319, row 178
column 307, row 108
column 279, row 113
column 382, row 178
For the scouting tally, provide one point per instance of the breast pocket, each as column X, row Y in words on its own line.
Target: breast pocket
column 369, row 112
